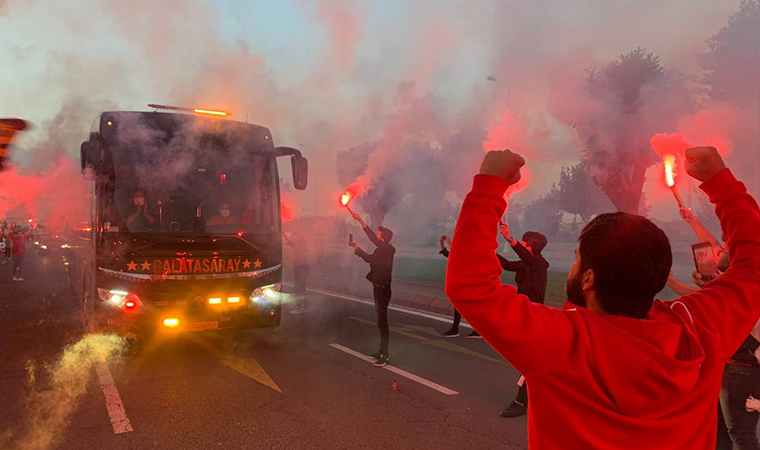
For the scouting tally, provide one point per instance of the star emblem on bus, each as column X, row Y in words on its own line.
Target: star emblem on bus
column 257, row 264
column 145, row 265
column 246, row 264
column 131, row 265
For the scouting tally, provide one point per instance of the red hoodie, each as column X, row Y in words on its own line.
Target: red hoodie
column 613, row 382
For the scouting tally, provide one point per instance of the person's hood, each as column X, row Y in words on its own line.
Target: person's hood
column 644, row 365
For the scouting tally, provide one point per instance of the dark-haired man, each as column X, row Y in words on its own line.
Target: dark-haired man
column 380, row 270
column 614, row 368
column 531, row 272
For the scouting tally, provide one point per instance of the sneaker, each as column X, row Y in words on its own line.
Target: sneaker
column 18, row 279
column 474, row 335
column 514, row 410
column 382, row 360
column 295, row 310
column 376, row 356
column 452, row 333
column 304, row 309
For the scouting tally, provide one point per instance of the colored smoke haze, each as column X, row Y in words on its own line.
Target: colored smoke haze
column 406, row 84
column 49, row 408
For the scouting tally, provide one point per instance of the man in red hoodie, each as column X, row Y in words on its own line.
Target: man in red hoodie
column 615, row 369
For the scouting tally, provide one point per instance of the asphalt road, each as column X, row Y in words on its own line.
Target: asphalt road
column 299, row 386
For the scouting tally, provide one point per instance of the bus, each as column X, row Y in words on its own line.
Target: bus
column 184, row 229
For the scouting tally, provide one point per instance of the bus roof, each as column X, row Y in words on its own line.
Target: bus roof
column 109, row 122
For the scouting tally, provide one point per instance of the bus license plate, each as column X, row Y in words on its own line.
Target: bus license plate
column 197, row 326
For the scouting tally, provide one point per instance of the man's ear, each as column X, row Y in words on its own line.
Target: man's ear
column 588, row 280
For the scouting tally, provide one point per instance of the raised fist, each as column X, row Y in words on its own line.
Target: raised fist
column 703, row 163
column 503, row 164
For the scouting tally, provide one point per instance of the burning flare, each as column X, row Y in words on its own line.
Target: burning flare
column 345, row 198
column 669, row 161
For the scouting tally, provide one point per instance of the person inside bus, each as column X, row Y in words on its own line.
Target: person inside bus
column 139, row 219
column 224, row 217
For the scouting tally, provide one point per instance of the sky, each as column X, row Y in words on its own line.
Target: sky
column 326, row 75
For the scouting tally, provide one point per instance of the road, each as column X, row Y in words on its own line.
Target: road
column 303, row 385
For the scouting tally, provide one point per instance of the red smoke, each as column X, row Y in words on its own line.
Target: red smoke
column 55, row 197
column 524, row 182
column 287, row 207
column 344, row 25
column 670, row 144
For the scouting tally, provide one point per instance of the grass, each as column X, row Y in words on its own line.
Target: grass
column 433, row 271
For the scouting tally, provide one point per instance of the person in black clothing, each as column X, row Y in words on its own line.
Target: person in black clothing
column 380, row 270
column 302, row 258
column 530, row 277
column 454, row 331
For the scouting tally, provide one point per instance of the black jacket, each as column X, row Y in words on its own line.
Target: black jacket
column 445, row 252
column 531, row 273
column 380, row 261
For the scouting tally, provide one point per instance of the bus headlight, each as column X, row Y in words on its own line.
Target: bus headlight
column 266, row 293
column 118, row 298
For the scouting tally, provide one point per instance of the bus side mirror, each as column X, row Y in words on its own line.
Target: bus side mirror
column 85, row 155
column 300, row 172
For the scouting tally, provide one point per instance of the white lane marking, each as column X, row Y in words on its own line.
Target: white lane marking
column 444, row 319
column 396, row 370
column 119, row 419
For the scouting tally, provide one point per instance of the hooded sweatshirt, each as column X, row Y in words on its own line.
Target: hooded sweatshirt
column 613, row 382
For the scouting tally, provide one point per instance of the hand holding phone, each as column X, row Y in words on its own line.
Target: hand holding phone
column 704, row 260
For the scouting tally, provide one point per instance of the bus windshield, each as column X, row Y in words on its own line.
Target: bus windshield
column 189, row 182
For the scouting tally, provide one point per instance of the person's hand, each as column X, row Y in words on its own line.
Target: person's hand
column 356, row 217
column 686, row 214
column 504, row 228
column 703, row 163
column 442, row 240
column 697, row 278
column 503, row 164
column 353, row 245
column 448, row 240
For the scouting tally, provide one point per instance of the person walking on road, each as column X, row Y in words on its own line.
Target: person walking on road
column 302, row 257
column 18, row 240
column 531, row 273
column 454, row 331
column 380, row 271
column 615, row 368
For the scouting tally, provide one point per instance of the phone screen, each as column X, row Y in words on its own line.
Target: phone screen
column 704, row 259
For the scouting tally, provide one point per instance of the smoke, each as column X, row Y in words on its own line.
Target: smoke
column 344, row 25
column 395, row 98
column 50, row 407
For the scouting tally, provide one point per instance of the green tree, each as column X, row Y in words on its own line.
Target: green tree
column 731, row 65
column 633, row 98
column 578, row 194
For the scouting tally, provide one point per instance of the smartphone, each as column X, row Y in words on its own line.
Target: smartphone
column 704, row 260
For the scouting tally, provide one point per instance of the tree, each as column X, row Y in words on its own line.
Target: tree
column 578, row 194
column 632, row 99
column 731, row 65
column 543, row 214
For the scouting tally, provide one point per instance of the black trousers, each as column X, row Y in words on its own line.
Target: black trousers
column 382, row 296
column 457, row 319
column 522, row 394
column 300, row 275
column 739, row 382
column 17, row 263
